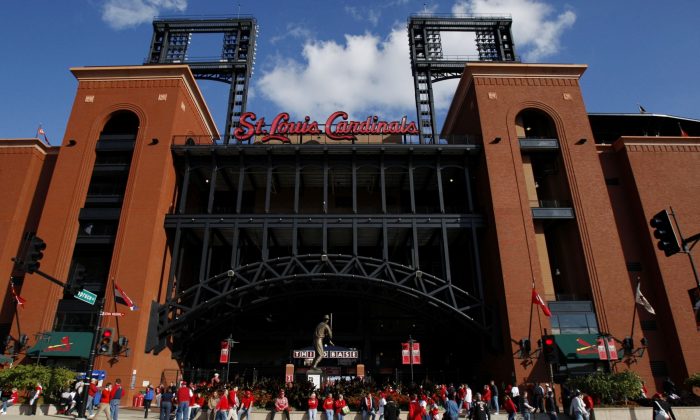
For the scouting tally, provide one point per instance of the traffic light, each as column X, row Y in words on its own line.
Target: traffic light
column 525, row 347
column 34, row 254
column 628, row 345
column 121, row 346
column 550, row 349
column 664, row 232
column 106, row 344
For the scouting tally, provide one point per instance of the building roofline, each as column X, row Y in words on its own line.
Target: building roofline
column 29, row 142
column 154, row 72
column 646, row 115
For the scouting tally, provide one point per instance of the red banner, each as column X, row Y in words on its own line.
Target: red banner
column 223, row 358
column 603, row 352
column 406, row 353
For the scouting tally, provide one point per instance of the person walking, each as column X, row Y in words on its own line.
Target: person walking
column 486, row 396
column 233, row 404
column 368, row 407
column 115, row 398
column 92, row 390
column 494, row 397
column 550, row 405
column 526, row 409
column 103, row 407
column 184, row 395
column 34, row 400
column 479, row 409
column 148, row 399
column 451, row 408
column 577, row 409
column 312, row 406
column 510, row 407
column 391, row 409
column 166, row 403
column 328, row 406
column 468, row 399
column 222, row 406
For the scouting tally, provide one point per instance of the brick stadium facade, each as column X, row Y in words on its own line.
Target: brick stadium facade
column 442, row 242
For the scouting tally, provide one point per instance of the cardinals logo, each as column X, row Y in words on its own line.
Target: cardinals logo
column 64, row 346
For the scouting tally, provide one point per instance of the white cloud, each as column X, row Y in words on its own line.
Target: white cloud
column 535, row 32
column 363, row 75
column 370, row 15
column 120, row 14
column 293, row 30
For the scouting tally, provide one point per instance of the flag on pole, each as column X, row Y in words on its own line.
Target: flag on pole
column 19, row 299
column 537, row 300
column 122, row 298
column 640, row 299
column 41, row 132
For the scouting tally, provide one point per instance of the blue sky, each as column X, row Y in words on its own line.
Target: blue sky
column 317, row 56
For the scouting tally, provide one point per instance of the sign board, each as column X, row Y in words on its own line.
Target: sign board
column 407, row 352
column 338, row 127
column 223, row 357
column 86, row 296
column 327, row 354
column 112, row 313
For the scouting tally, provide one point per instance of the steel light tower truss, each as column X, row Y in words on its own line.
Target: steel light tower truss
column 171, row 39
column 494, row 42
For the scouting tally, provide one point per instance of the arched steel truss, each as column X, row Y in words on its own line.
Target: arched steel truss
column 206, row 303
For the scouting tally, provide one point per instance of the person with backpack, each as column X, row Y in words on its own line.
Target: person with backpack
column 391, row 409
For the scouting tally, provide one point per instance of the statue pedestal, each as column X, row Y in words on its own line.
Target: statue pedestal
column 313, row 375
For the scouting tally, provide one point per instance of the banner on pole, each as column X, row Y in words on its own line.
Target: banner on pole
column 223, row 358
column 406, row 353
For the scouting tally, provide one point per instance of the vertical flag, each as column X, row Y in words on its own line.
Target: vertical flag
column 19, row 299
column 537, row 300
column 121, row 298
column 640, row 299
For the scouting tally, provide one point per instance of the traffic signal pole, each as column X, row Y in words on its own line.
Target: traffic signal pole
column 91, row 360
column 686, row 249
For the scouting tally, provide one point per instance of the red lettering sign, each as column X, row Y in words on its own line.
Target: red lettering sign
column 337, row 127
column 406, row 353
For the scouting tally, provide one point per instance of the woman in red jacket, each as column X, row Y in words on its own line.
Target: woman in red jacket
column 509, row 405
column 341, row 407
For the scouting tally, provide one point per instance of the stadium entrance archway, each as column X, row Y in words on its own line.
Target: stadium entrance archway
column 271, row 307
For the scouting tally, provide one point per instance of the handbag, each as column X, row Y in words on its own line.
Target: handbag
column 345, row 410
column 661, row 414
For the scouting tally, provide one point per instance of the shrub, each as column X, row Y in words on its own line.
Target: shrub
column 24, row 377
column 694, row 380
column 609, row 388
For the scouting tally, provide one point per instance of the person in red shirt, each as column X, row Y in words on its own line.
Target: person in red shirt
column 196, row 403
column 222, row 407
column 509, row 405
column 486, row 395
column 11, row 401
column 92, row 390
column 104, row 402
column 328, row 405
column 115, row 397
column 340, row 407
column 588, row 400
column 313, row 406
column 246, row 405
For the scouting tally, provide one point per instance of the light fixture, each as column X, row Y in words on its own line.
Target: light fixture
column 153, row 142
column 496, row 140
column 419, row 274
column 582, row 141
column 557, row 272
column 72, row 143
column 324, row 257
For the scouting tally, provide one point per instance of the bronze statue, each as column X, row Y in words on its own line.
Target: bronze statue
column 322, row 330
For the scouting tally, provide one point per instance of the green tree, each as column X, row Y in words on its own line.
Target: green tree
column 615, row 388
column 25, row 377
